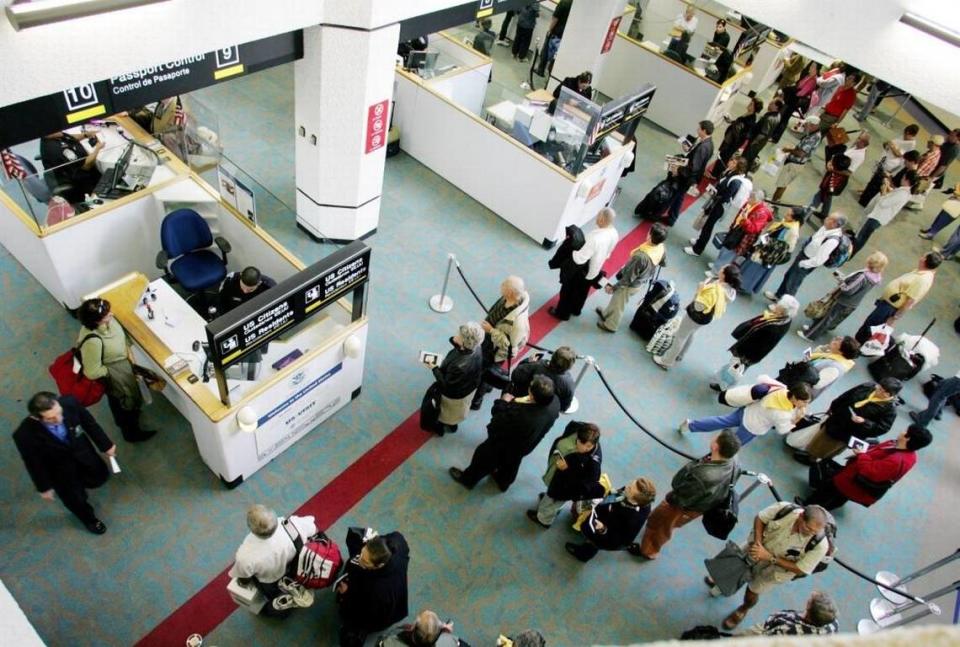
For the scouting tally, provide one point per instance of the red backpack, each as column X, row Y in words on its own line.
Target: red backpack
column 71, row 381
column 318, row 559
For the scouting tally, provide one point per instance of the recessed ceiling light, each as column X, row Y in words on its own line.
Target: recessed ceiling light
column 43, row 12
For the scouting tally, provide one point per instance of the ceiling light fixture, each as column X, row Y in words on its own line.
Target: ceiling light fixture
column 44, row 12
column 931, row 28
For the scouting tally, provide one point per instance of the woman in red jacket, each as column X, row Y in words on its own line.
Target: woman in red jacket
column 869, row 474
column 745, row 230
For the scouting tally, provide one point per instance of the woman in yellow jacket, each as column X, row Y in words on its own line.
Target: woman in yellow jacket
column 709, row 304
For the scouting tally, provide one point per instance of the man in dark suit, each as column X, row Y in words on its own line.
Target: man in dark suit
column 691, row 174
column 58, row 457
column 516, row 428
column 372, row 592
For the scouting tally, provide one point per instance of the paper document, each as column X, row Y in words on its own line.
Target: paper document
column 114, row 465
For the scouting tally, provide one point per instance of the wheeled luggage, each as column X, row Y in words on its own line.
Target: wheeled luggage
column 652, row 206
column 660, row 305
column 898, row 362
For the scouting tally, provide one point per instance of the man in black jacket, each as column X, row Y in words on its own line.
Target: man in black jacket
column 616, row 522
column 58, row 457
column 699, row 486
column 372, row 593
column 240, row 287
column 573, row 471
column 866, row 411
column 557, row 368
column 515, row 429
column 692, row 173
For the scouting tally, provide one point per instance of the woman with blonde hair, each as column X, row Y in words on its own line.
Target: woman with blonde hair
column 845, row 298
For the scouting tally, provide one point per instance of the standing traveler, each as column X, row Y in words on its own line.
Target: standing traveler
column 615, row 523
column 644, row 260
column 816, row 251
column 573, row 472
column 597, row 246
column 458, row 376
column 507, row 326
column 691, row 174
column 846, row 297
column 901, row 295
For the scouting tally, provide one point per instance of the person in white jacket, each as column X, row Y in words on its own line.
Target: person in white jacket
column 815, row 253
column 885, row 208
column 771, row 405
column 597, row 247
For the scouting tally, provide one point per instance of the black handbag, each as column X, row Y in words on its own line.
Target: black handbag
column 720, row 520
column 430, row 408
column 733, row 238
column 822, row 472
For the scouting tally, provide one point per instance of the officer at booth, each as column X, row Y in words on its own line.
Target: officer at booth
column 240, row 287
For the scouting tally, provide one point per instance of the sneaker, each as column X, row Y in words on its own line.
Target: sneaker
column 802, row 335
column 770, row 295
column 689, row 250
column 684, row 427
column 693, row 241
column 924, row 235
column 915, row 416
column 300, row 596
column 805, row 327
column 503, row 42
column 659, row 361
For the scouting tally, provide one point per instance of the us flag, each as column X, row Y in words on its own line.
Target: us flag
column 179, row 116
column 12, row 167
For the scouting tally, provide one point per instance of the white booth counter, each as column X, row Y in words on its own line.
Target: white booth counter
column 684, row 95
column 300, row 346
column 658, row 24
column 521, row 186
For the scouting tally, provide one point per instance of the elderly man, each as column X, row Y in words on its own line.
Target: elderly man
column 264, row 555
column 57, row 456
column 516, row 427
column 817, row 619
column 699, row 486
column 507, row 326
column 597, row 246
column 427, row 629
column 815, row 252
column 787, row 540
column 457, row 378
column 798, row 156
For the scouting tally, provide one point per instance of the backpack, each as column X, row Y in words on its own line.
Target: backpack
column 318, row 559
column 829, row 535
column 841, row 253
column 67, row 372
column 801, row 371
column 775, row 252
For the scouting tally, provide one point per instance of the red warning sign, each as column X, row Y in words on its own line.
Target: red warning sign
column 377, row 120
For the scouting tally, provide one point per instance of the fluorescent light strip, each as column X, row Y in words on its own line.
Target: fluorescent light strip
column 931, row 28
column 44, row 12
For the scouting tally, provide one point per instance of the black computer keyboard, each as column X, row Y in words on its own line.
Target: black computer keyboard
column 105, row 188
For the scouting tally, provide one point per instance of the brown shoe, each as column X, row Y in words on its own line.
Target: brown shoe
column 735, row 618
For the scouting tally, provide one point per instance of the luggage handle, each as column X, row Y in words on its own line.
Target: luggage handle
column 924, row 333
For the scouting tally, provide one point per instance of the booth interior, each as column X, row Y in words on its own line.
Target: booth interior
column 540, row 160
column 143, row 230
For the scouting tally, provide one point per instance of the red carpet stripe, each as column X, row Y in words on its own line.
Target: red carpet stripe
column 211, row 605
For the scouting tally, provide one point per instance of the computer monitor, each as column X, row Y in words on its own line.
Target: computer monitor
column 422, row 61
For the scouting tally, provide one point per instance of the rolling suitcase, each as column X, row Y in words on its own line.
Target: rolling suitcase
column 898, row 361
column 652, row 206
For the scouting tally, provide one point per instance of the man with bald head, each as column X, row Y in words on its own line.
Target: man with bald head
column 589, row 259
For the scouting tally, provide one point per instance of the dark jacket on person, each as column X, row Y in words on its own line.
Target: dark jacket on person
column 735, row 134
column 757, row 337
column 563, row 258
column 764, row 127
column 697, row 159
column 883, row 463
column 581, row 480
column 522, row 376
column 53, row 464
column 622, row 522
column 459, row 373
column 376, row 598
column 572, row 84
column 231, row 295
column 701, row 484
column 878, row 417
column 516, row 428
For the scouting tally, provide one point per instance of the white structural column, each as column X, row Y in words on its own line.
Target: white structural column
column 344, row 77
column 583, row 38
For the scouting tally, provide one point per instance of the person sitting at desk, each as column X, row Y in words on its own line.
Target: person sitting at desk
column 579, row 84
column 483, row 42
column 240, row 287
column 677, row 49
column 721, row 67
column 551, row 149
column 60, row 152
column 720, row 36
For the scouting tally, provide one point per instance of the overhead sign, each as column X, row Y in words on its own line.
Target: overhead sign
column 377, row 125
column 291, row 302
column 44, row 115
column 624, row 110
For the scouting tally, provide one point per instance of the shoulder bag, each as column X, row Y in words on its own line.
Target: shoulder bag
column 67, row 372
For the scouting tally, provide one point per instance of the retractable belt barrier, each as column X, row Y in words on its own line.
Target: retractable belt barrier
column 761, row 478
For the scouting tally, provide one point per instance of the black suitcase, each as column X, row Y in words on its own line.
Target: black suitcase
column 652, row 206
column 897, row 362
column 646, row 321
column 648, row 318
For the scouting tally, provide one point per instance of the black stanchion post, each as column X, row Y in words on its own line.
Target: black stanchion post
column 588, row 361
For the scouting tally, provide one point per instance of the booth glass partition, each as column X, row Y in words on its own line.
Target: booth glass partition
column 193, row 136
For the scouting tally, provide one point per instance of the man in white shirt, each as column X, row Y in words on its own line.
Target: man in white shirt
column 858, row 153
column 686, row 21
column 264, row 555
column 891, row 201
column 814, row 254
column 597, row 246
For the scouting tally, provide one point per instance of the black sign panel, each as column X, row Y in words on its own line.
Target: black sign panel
column 37, row 117
column 624, row 110
column 289, row 303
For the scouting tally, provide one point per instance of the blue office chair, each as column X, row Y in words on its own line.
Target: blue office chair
column 186, row 256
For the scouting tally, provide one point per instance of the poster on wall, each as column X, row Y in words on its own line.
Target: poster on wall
column 611, row 34
column 227, row 185
column 246, row 202
column 377, row 125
